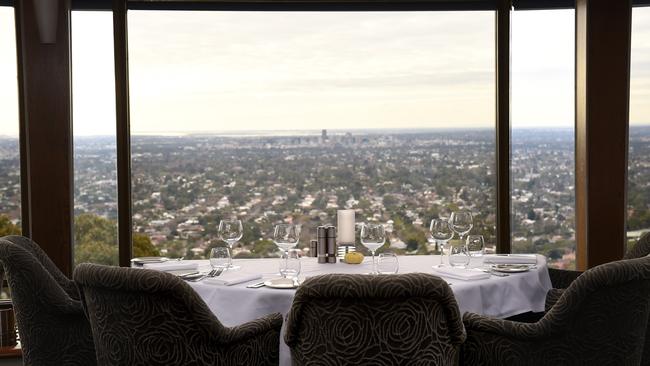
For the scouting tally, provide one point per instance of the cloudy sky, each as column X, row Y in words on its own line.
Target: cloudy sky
column 219, row 71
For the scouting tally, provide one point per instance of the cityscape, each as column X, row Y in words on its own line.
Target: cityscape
column 183, row 185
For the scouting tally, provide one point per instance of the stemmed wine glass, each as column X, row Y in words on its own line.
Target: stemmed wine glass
column 230, row 231
column 373, row 236
column 441, row 233
column 461, row 223
column 286, row 236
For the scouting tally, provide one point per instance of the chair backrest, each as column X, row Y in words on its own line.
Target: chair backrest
column 604, row 313
column 407, row 319
column 146, row 317
column 640, row 249
column 29, row 245
column 53, row 327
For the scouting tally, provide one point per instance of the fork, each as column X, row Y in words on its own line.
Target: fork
column 210, row 274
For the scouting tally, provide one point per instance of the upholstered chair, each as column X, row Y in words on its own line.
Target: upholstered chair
column 29, row 245
column 599, row 320
column 53, row 327
column 409, row 319
column 145, row 317
column 562, row 278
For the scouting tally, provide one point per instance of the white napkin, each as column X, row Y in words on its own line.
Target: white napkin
column 510, row 258
column 232, row 278
column 172, row 266
column 461, row 273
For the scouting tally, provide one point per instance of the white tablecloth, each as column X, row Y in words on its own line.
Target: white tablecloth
column 497, row 296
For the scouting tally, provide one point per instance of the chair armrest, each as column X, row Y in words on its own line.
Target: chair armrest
column 552, row 296
column 252, row 329
column 562, row 278
column 504, row 328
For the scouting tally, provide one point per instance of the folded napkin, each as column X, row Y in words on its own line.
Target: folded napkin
column 232, row 278
column 461, row 273
column 172, row 266
column 510, row 258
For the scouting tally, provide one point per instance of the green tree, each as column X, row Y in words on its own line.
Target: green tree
column 142, row 246
column 7, row 227
column 95, row 240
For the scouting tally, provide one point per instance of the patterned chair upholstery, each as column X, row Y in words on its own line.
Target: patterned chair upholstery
column 409, row 319
column 599, row 320
column 145, row 317
column 562, row 278
column 53, row 327
column 29, row 245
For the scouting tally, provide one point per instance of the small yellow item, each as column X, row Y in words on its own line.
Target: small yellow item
column 353, row 258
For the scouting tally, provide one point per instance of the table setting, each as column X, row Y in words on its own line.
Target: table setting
column 490, row 284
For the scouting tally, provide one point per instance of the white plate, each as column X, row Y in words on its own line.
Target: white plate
column 143, row 260
column 510, row 268
column 282, row 283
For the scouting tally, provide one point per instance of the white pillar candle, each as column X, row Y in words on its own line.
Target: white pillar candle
column 345, row 229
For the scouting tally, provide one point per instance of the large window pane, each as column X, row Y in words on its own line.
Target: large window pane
column 95, row 192
column 286, row 117
column 543, row 157
column 638, row 194
column 9, row 147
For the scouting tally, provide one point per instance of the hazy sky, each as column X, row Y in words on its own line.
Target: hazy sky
column 207, row 71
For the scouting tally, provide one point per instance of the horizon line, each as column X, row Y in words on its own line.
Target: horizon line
column 279, row 132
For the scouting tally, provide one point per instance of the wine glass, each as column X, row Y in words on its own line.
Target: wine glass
column 441, row 233
column 461, row 223
column 286, row 237
column 373, row 237
column 458, row 256
column 220, row 258
column 290, row 268
column 230, row 231
column 387, row 263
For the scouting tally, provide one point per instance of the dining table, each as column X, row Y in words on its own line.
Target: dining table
column 494, row 294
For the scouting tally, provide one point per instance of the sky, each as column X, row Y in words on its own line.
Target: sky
column 225, row 71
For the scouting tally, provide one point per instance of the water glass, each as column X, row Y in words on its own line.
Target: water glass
column 290, row 264
column 220, row 258
column 458, row 256
column 387, row 263
column 475, row 245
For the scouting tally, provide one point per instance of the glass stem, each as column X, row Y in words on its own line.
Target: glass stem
column 374, row 265
column 442, row 251
column 286, row 263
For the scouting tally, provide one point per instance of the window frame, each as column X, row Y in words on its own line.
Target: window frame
column 502, row 81
column 120, row 8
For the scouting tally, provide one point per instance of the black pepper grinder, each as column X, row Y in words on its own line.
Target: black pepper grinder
column 331, row 244
column 321, row 238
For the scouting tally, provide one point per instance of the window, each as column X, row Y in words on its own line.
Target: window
column 10, row 214
column 638, row 193
column 542, row 136
column 95, row 177
column 288, row 116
